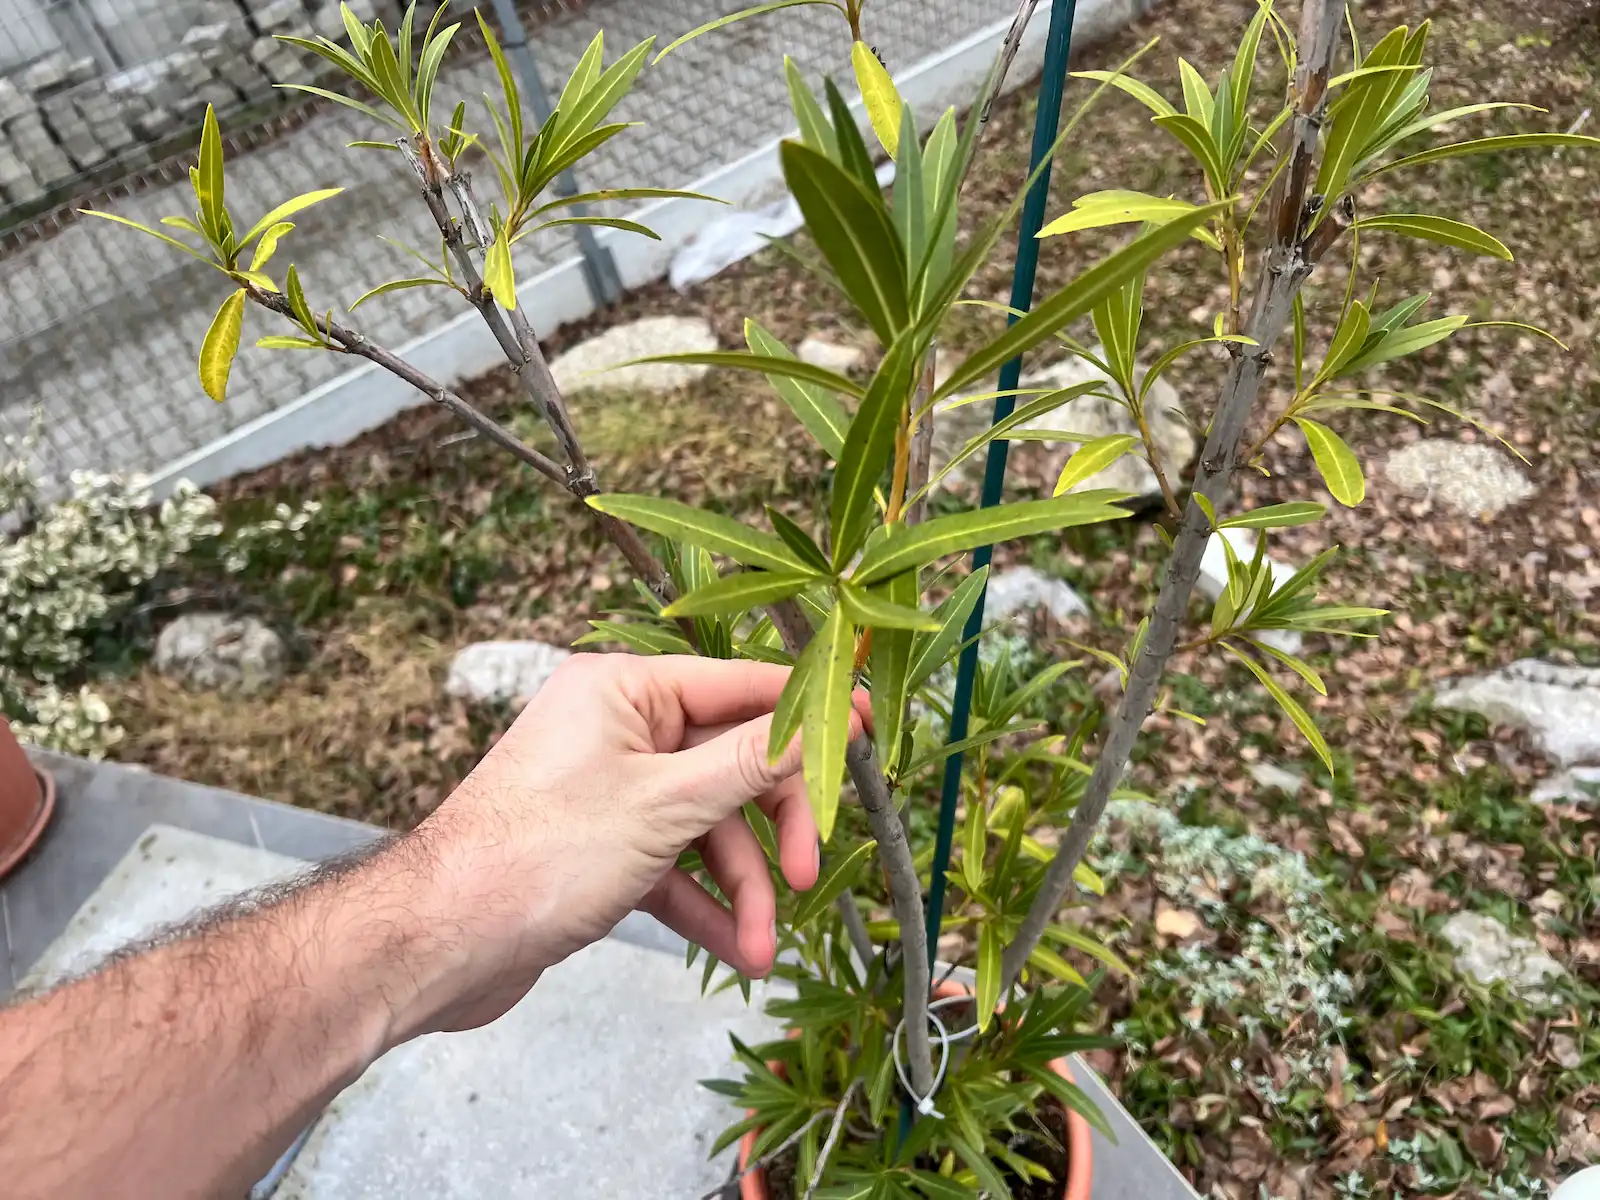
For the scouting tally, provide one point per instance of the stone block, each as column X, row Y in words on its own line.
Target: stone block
column 366, row 12
column 154, row 124
column 84, row 150
column 50, row 72
column 82, row 70
column 328, row 22
column 13, row 103
column 62, row 115
column 16, row 179
column 188, row 66
column 280, row 15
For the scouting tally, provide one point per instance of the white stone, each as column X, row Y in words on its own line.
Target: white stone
column 1018, row 588
column 585, row 366
column 1468, row 477
column 49, row 72
column 1490, row 953
column 489, row 672
column 280, row 14
column 1214, row 579
column 13, row 103
column 1559, row 706
column 830, row 355
column 1585, row 1185
column 1576, row 785
column 221, row 652
column 1272, row 776
column 1097, row 416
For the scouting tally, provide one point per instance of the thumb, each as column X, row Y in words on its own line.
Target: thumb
column 732, row 769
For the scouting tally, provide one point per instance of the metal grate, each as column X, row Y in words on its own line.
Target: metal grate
column 99, row 326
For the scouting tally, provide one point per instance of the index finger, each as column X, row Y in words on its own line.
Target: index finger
column 724, row 691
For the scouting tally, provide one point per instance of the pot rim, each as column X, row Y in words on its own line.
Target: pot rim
column 13, row 854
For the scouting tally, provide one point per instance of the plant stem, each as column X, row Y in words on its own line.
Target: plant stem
column 1284, row 269
column 855, row 929
column 921, row 466
column 894, row 850
column 352, row 342
column 1008, row 53
column 832, row 1139
column 521, row 348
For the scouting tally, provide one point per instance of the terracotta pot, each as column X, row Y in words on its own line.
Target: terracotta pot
column 1080, row 1150
column 27, row 798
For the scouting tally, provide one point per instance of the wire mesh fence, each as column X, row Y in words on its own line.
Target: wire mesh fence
column 99, row 326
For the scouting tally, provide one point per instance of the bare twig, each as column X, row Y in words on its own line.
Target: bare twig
column 1284, row 269
column 1008, row 54
column 921, row 444
column 905, row 891
column 832, row 1140
column 359, row 344
column 855, row 928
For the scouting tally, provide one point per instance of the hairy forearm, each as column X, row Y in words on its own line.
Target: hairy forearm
column 186, row 1069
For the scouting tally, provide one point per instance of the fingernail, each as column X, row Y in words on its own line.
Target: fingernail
column 816, row 857
column 774, row 935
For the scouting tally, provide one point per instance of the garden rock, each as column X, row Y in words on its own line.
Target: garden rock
column 219, row 652
column 830, row 355
column 1269, row 775
column 585, row 366
column 1577, row 785
column 1214, row 578
column 1018, row 588
column 1095, row 416
column 498, row 672
column 1559, row 706
column 1468, row 477
column 1490, row 953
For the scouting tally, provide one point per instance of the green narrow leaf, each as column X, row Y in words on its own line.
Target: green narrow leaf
column 297, row 302
column 278, row 341
column 931, row 652
column 220, row 345
column 871, row 610
column 1347, row 341
column 710, row 531
column 823, row 417
column 1291, row 707
column 1056, row 311
column 1402, row 341
column 1196, row 138
column 287, row 209
column 906, row 547
column 1142, row 92
column 988, row 987
column 428, row 68
column 397, row 285
column 578, row 119
column 854, row 158
column 1096, row 210
column 814, row 128
column 208, row 181
column 740, row 592
column 910, row 203
column 892, row 650
column 1196, row 96
column 879, row 96
column 780, row 363
column 268, row 245
column 1244, row 63
column 1095, row 949
column 854, row 233
column 1046, row 959
column 637, row 635
column 709, row 26
column 839, row 874
column 1488, row 145
column 1439, row 229
column 866, row 452
column 497, row 275
column 1341, row 471
column 1092, row 458
column 789, row 713
column 622, row 223
column 1296, row 664
column 827, row 719
column 974, row 845
column 1020, row 417
column 798, row 540
column 1275, row 516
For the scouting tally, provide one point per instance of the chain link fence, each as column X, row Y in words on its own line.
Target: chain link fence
column 100, row 326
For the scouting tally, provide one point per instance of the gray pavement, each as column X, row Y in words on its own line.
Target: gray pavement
column 100, row 326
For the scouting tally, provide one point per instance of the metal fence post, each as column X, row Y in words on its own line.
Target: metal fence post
column 599, row 268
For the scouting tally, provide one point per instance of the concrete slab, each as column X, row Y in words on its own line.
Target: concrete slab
column 587, row 1089
column 168, row 877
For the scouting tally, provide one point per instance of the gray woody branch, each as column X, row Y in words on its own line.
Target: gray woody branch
column 1287, row 263
column 521, row 348
column 905, row 891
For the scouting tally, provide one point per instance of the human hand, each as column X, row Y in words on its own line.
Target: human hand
column 579, row 813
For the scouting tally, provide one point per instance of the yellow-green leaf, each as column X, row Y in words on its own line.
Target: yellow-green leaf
column 1099, row 209
column 1439, row 229
column 207, row 178
column 839, row 874
column 497, row 274
column 708, row 530
column 1046, row 959
column 1092, row 458
column 281, row 341
column 879, row 95
column 268, row 245
column 988, row 989
column 739, row 592
column 220, row 346
column 869, row 609
column 287, row 209
column 1291, row 707
column 739, row 16
column 1341, row 471
column 826, row 734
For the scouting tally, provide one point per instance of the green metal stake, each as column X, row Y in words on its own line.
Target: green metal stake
column 1046, row 124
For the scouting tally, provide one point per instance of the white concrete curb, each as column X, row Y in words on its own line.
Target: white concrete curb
column 346, row 407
